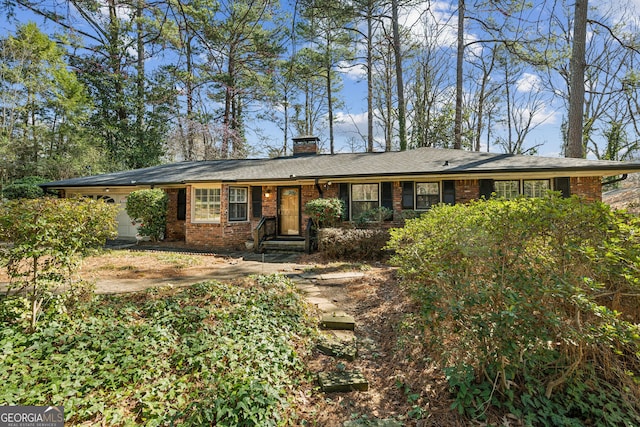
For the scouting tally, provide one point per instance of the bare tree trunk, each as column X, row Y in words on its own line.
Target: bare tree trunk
column 507, row 89
column 402, row 124
column 389, row 108
column 577, row 67
column 370, row 76
column 286, row 124
column 140, row 77
column 482, row 98
column 228, row 97
column 189, row 89
column 330, row 108
column 457, row 127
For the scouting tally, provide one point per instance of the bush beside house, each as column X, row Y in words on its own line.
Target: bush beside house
column 24, row 188
column 325, row 212
column 43, row 241
column 530, row 305
column 149, row 207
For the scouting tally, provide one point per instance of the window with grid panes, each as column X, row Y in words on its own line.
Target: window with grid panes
column 206, row 204
column 536, row 187
column 238, row 203
column 507, row 189
column 427, row 195
column 364, row 197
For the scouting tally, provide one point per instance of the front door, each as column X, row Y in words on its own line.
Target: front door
column 289, row 211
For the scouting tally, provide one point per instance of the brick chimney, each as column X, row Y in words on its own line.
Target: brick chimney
column 305, row 145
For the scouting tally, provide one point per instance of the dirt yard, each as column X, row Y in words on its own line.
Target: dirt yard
column 403, row 385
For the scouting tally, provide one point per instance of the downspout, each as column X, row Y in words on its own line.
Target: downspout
column 613, row 181
column 319, row 189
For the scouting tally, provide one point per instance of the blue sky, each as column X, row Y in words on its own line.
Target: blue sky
column 350, row 127
column 548, row 117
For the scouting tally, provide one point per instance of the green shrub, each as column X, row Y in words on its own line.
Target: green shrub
column 325, row 212
column 150, row 208
column 353, row 244
column 24, row 188
column 518, row 302
column 372, row 216
column 44, row 239
column 22, row 191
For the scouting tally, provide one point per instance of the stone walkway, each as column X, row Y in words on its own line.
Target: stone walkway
column 339, row 339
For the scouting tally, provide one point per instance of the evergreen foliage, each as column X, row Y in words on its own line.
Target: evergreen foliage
column 530, row 304
column 24, row 188
column 325, row 212
column 209, row 354
column 150, row 208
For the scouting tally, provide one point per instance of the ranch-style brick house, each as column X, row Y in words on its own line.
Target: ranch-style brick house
column 219, row 204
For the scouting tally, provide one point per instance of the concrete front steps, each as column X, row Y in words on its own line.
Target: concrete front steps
column 289, row 245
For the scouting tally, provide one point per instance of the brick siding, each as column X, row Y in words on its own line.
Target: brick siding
column 233, row 235
column 588, row 187
column 175, row 229
column 467, row 190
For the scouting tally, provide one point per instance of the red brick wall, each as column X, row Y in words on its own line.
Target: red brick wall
column 175, row 230
column 467, row 190
column 233, row 235
column 588, row 187
column 396, row 188
column 305, row 148
column 269, row 204
column 310, row 192
column 224, row 235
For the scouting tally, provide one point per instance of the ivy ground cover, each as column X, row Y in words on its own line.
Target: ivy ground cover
column 210, row 354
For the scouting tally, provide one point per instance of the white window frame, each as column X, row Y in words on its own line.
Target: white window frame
column 197, row 206
column 233, row 200
column 427, row 192
column 537, row 191
column 501, row 190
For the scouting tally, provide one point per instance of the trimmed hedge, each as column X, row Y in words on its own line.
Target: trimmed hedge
column 353, row 244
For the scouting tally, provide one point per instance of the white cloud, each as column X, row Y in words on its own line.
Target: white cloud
column 350, row 123
column 433, row 21
column 353, row 71
column 529, row 82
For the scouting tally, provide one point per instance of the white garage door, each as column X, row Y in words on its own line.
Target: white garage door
column 126, row 228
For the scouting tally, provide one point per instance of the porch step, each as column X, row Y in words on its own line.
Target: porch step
column 288, row 245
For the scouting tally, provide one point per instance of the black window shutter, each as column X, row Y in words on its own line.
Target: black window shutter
column 486, row 188
column 449, row 192
column 563, row 185
column 407, row 195
column 182, row 204
column 256, row 202
column 387, row 197
column 343, row 194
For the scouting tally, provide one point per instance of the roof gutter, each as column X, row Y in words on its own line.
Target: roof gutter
column 613, row 181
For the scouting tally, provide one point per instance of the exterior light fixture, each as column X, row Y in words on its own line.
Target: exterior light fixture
column 267, row 193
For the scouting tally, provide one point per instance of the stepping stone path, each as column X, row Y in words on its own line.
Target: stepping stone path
column 339, row 337
column 337, row 321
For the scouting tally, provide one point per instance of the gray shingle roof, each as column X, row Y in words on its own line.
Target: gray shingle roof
column 421, row 161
